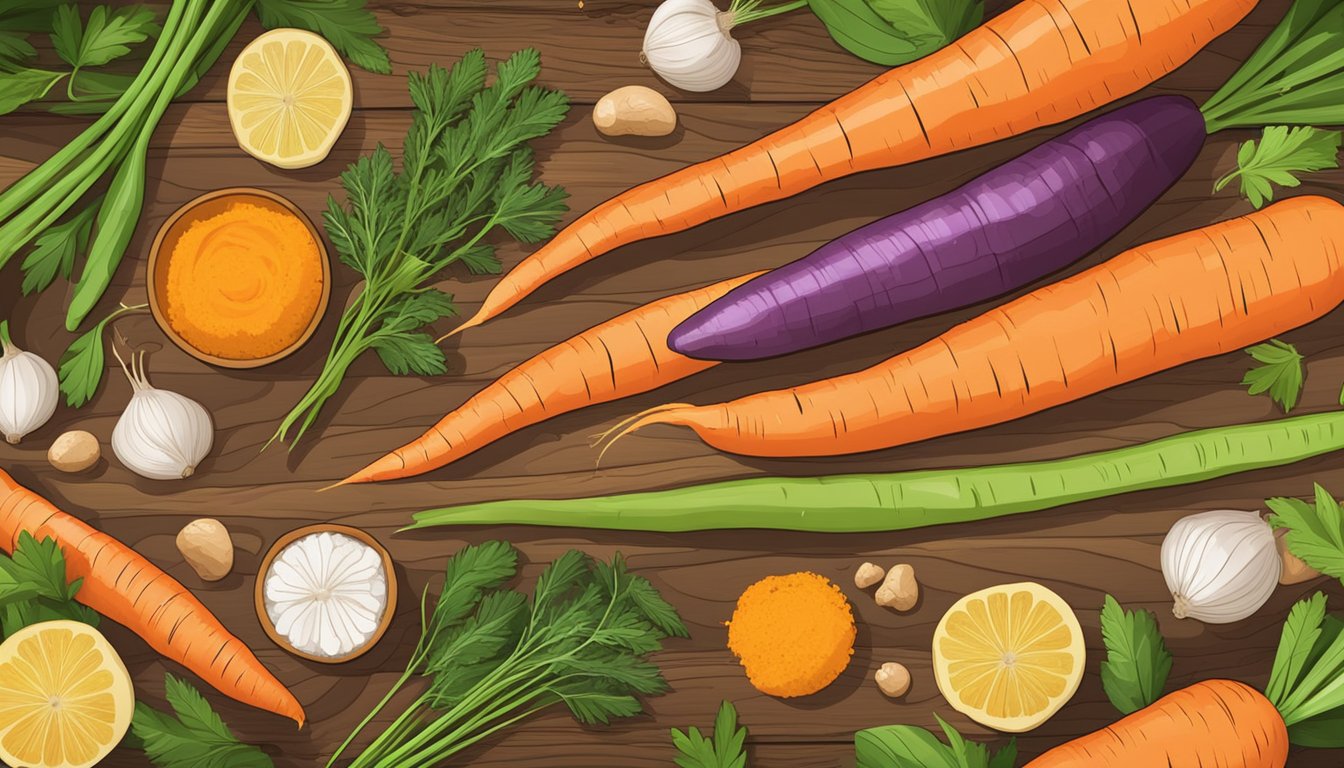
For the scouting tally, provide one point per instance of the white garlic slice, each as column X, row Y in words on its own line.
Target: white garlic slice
column 1221, row 566
column 161, row 435
column 326, row 594
column 28, row 390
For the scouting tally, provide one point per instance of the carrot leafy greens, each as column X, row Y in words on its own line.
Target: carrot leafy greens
column 466, row 172
column 493, row 657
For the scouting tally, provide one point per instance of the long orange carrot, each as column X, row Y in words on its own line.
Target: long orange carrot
column 1190, row 296
column 125, row 587
column 621, row 357
column 1038, row 63
column 1211, row 723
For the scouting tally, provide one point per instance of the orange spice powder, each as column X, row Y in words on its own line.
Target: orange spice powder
column 244, row 283
column 794, row 634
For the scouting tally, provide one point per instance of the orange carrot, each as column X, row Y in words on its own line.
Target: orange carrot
column 621, row 357
column 125, row 587
column 1187, row 297
column 1210, row 723
column 1038, row 63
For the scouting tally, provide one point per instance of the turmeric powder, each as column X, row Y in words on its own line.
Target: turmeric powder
column 794, row 634
column 244, row 283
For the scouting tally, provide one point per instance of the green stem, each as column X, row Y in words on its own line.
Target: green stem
column 37, row 180
column 749, row 11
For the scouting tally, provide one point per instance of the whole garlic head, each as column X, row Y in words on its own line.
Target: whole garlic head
column 161, row 435
column 688, row 43
column 1220, row 566
column 28, row 390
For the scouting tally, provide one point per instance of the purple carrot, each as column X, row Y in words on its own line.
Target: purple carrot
column 1009, row 227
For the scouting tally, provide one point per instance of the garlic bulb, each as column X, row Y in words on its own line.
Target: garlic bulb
column 689, row 45
column 326, row 593
column 28, row 390
column 1220, row 566
column 161, row 435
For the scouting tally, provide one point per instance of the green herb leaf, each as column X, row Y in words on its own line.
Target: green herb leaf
column 195, row 738
column 892, row 32
column 1280, row 157
column 81, row 367
column 346, row 24
column 33, row 587
column 1295, row 76
column 1315, row 531
column 1137, row 661
column 908, row 746
column 1301, row 630
column 570, row 642
column 466, row 176
column 726, row 750
column 109, row 33
column 22, row 86
column 1279, row 373
column 15, row 48
column 54, row 251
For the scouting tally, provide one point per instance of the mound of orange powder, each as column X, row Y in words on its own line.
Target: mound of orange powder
column 794, row 634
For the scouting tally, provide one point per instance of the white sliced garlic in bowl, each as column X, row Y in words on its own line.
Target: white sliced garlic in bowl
column 28, row 390
column 326, row 592
column 1220, row 566
column 161, row 435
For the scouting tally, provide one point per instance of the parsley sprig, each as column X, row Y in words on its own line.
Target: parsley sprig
column 493, row 657
column 1137, row 661
column 466, row 173
column 725, row 748
column 193, row 736
column 33, row 587
column 1315, row 530
column 1281, row 155
column 909, row 746
column 1278, row 372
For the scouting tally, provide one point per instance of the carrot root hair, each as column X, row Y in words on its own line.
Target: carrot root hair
column 654, row 415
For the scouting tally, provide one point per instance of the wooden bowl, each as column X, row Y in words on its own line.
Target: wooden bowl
column 205, row 206
column 259, row 596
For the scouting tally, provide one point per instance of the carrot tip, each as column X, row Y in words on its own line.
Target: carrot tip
column 472, row 322
column 640, row 420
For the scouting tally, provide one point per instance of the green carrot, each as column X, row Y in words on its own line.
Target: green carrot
column 904, row 500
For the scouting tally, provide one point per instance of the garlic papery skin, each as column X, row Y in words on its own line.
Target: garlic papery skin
column 689, row 44
column 326, row 594
column 161, row 435
column 1220, row 566
column 28, row 390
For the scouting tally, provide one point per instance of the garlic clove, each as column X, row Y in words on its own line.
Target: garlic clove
column 28, row 390
column 1221, row 566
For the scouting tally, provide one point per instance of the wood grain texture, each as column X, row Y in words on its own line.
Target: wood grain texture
column 1082, row 551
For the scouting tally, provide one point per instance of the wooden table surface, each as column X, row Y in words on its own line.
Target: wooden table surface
column 789, row 68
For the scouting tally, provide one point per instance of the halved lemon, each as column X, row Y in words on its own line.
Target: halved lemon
column 289, row 98
column 1010, row 656
column 65, row 696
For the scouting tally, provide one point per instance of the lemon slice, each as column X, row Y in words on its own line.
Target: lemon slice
column 1010, row 656
column 65, row 697
column 289, row 98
